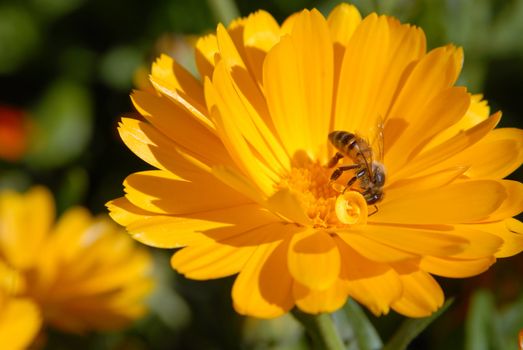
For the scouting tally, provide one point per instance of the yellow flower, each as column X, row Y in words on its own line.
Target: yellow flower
column 242, row 184
column 20, row 318
column 84, row 273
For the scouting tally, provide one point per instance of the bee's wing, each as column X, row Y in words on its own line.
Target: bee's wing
column 377, row 140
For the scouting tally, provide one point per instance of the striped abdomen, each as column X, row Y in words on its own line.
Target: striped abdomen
column 351, row 145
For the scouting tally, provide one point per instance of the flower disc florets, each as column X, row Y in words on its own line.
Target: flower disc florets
column 323, row 201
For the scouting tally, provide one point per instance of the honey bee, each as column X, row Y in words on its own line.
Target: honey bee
column 369, row 171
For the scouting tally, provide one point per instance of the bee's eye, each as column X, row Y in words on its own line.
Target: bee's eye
column 379, row 177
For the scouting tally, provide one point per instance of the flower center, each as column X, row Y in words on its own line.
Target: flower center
column 325, row 203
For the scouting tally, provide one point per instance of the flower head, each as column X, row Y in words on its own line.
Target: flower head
column 84, row 273
column 242, row 182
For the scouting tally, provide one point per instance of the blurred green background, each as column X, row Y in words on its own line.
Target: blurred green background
column 70, row 64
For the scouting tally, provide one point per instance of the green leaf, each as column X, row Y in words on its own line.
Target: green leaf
column 73, row 188
column 168, row 305
column 364, row 6
column 321, row 329
column 19, row 37
column 507, row 324
column 282, row 333
column 51, row 9
column 355, row 328
column 224, row 11
column 411, row 328
column 14, row 179
column 478, row 328
column 118, row 66
column 63, row 125
column 506, row 30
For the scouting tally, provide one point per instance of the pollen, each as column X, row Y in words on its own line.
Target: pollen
column 324, row 202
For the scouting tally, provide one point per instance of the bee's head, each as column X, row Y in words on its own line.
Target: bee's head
column 379, row 174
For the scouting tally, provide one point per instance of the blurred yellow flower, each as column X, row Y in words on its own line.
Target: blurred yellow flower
column 84, row 273
column 242, row 184
column 20, row 318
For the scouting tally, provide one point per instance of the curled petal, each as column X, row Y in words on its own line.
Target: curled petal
column 351, row 208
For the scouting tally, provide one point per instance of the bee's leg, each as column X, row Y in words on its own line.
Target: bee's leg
column 375, row 211
column 354, row 179
column 340, row 170
column 334, row 160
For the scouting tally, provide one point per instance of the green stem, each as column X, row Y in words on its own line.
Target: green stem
column 321, row 330
column 224, row 10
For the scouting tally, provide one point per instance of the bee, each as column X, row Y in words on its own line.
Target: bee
column 367, row 170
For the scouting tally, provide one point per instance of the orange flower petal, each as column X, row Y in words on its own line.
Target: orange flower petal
column 162, row 192
column 287, row 204
column 179, row 86
column 425, row 182
column 236, row 180
column 313, row 48
column 362, row 69
column 513, row 203
column 365, row 280
column 343, row 21
column 481, row 242
column 495, row 156
column 436, row 71
column 422, row 295
column 228, row 49
column 440, row 112
column 239, row 148
column 456, row 268
column 242, row 105
column 124, row 212
column 416, row 240
column 20, row 321
column 317, row 301
column 407, row 45
column 156, row 149
column 295, row 107
column 169, row 73
column 208, row 261
column 447, row 205
column 424, row 162
column 260, row 34
column 177, row 231
column 22, row 239
column 206, row 50
column 372, row 249
column 181, row 127
column 478, row 112
column 264, row 286
column 314, row 260
column 509, row 232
